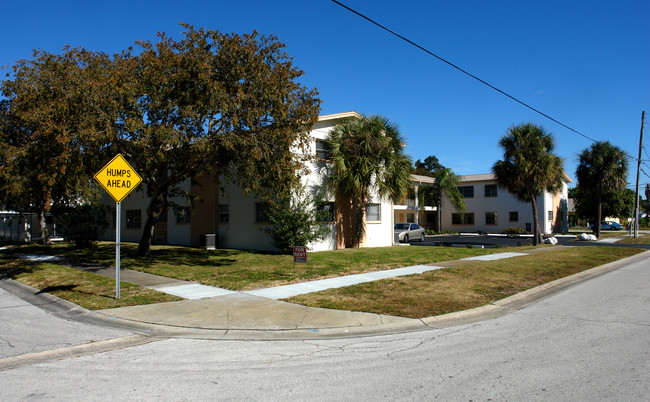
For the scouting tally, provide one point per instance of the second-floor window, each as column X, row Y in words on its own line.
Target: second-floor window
column 321, row 150
column 467, row 191
column 490, row 190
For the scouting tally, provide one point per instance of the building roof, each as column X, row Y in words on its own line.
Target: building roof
column 422, row 179
column 492, row 177
column 337, row 116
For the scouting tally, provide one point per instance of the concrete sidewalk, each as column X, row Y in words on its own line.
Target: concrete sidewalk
column 213, row 313
column 258, row 314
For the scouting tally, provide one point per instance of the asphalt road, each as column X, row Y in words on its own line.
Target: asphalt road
column 501, row 241
column 588, row 342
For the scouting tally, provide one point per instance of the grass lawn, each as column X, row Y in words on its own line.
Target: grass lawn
column 245, row 270
column 466, row 286
column 85, row 289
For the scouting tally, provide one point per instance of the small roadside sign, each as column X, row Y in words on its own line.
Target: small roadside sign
column 300, row 254
column 118, row 178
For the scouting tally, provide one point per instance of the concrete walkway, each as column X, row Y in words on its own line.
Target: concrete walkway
column 214, row 313
column 258, row 313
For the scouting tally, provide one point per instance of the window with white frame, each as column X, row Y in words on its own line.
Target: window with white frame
column 321, row 150
column 373, row 213
column 224, row 213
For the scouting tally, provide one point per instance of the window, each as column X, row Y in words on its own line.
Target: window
column 490, row 218
column 462, row 218
column 431, row 217
column 373, row 213
column 325, row 212
column 514, row 216
column 133, row 218
column 321, row 150
column 550, row 215
column 466, row 191
column 183, row 214
column 224, row 213
column 262, row 212
column 528, row 227
column 490, row 190
column 410, row 218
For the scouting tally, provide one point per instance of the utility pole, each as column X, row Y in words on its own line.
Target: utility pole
column 638, row 170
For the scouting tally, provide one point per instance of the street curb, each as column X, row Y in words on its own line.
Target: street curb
column 515, row 302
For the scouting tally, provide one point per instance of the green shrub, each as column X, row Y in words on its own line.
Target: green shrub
column 296, row 221
column 84, row 224
column 512, row 230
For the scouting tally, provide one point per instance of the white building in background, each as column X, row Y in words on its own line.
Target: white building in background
column 234, row 219
column 491, row 209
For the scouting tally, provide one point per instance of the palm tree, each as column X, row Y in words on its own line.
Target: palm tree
column 529, row 166
column 446, row 182
column 366, row 156
column 602, row 168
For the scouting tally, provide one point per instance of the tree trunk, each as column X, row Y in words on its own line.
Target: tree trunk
column 156, row 206
column 537, row 235
column 45, row 235
column 358, row 229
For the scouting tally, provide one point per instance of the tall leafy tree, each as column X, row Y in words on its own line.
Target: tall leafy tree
column 529, row 167
column 224, row 104
column 429, row 167
column 49, row 113
column 603, row 167
column 617, row 203
column 366, row 156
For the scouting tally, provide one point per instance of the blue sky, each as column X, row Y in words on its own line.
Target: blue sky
column 583, row 63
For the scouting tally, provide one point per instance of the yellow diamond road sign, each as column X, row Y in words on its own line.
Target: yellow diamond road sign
column 118, row 178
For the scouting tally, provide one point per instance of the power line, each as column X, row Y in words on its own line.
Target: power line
column 463, row 71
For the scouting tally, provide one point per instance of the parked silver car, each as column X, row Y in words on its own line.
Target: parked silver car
column 408, row 231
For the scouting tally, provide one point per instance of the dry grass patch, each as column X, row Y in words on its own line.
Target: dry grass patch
column 463, row 287
column 245, row 270
column 85, row 289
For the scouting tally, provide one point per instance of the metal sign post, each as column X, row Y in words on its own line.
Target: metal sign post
column 118, row 218
column 118, row 178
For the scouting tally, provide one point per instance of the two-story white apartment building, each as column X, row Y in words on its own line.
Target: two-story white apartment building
column 491, row 209
column 234, row 218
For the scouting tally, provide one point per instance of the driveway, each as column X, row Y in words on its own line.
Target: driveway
column 492, row 241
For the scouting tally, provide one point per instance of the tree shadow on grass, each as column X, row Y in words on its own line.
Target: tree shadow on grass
column 50, row 289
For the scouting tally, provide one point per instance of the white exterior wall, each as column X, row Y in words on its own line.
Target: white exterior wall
column 380, row 234
column 502, row 204
column 242, row 232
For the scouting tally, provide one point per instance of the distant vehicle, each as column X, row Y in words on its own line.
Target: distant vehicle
column 608, row 225
column 409, row 231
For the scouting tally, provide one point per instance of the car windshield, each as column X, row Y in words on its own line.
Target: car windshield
column 401, row 226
